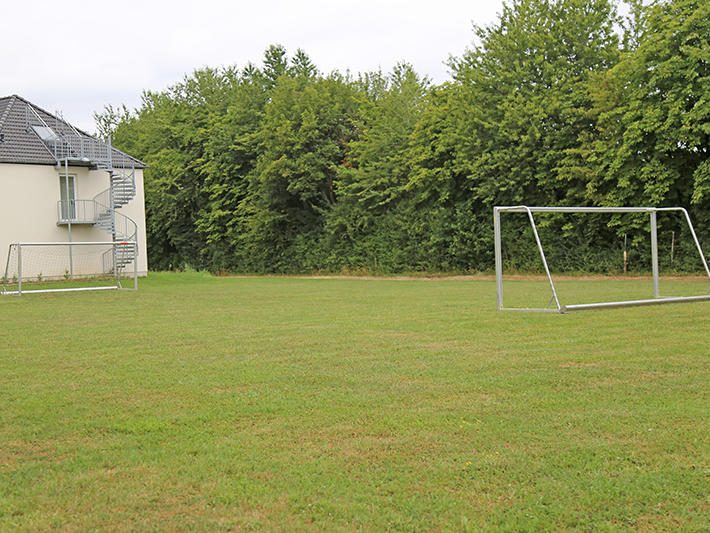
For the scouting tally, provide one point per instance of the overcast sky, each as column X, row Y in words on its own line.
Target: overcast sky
column 76, row 56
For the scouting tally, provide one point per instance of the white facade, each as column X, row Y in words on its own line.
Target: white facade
column 29, row 208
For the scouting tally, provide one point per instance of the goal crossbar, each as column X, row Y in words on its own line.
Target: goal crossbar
column 652, row 212
column 115, row 285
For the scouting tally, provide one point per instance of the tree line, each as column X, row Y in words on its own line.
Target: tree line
column 283, row 168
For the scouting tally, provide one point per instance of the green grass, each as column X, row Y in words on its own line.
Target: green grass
column 202, row 404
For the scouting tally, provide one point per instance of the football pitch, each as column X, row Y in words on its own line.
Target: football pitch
column 217, row 404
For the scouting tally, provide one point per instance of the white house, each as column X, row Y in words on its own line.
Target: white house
column 60, row 184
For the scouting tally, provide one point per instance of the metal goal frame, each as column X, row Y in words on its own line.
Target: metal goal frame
column 117, row 285
column 652, row 211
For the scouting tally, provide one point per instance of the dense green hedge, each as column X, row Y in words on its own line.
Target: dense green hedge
column 280, row 168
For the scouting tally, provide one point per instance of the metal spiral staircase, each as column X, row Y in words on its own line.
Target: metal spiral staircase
column 123, row 230
column 70, row 147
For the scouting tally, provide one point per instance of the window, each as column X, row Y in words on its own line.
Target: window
column 67, row 195
column 46, row 133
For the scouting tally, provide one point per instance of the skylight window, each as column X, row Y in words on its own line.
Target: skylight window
column 46, row 133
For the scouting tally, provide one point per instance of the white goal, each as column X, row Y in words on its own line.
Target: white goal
column 69, row 266
column 558, row 307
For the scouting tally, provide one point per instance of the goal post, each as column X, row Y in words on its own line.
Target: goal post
column 33, row 267
column 559, row 308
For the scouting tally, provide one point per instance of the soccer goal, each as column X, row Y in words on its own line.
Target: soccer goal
column 554, row 304
column 69, row 266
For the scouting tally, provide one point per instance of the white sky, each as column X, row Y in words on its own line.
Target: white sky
column 76, row 56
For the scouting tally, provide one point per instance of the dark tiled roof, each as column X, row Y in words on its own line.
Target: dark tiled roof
column 19, row 144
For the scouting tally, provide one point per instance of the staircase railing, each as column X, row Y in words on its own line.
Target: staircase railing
column 122, row 227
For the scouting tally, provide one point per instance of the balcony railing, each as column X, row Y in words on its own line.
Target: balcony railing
column 66, row 143
column 92, row 212
column 76, row 212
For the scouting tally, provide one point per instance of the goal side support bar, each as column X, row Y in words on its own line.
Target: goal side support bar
column 652, row 211
column 635, row 303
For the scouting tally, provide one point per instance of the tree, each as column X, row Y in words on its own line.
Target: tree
column 527, row 81
column 109, row 119
column 367, row 225
column 301, row 65
column 275, row 64
column 375, row 170
column 654, row 114
column 169, row 133
column 303, row 137
column 501, row 132
column 231, row 154
column 649, row 144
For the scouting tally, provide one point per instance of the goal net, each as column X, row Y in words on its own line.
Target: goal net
column 643, row 224
column 69, row 266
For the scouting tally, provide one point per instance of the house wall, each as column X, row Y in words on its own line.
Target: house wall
column 135, row 209
column 29, row 212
